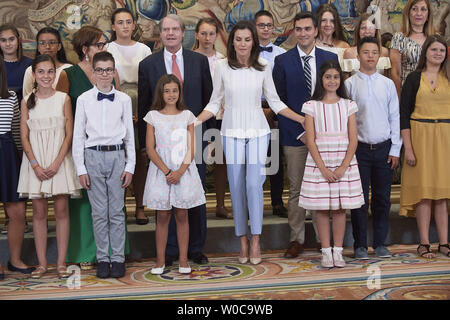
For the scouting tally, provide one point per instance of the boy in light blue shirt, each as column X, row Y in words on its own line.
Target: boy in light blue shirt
column 379, row 144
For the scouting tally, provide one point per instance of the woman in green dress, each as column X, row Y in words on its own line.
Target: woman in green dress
column 74, row 81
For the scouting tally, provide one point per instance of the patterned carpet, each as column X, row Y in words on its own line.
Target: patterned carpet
column 402, row 277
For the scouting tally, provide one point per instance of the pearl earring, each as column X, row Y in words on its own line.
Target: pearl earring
column 87, row 58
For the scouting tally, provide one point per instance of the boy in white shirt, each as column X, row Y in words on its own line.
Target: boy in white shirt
column 104, row 156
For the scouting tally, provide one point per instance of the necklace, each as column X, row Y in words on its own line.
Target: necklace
column 14, row 60
column 331, row 45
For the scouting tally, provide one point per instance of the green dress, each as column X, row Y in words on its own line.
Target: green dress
column 82, row 247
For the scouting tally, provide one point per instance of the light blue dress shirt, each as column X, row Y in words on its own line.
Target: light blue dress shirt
column 378, row 116
column 270, row 56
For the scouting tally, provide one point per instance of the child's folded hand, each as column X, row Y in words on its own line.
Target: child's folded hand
column 329, row 175
column 126, row 178
column 85, row 182
column 174, row 177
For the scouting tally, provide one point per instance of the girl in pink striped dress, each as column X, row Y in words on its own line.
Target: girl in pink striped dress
column 331, row 181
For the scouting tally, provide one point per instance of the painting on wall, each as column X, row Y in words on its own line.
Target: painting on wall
column 68, row 16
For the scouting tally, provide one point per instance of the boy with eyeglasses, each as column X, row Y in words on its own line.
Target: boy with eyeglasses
column 264, row 28
column 104, row 156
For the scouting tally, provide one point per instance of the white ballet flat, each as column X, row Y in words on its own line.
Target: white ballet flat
column 184, row 270
column 158, row 270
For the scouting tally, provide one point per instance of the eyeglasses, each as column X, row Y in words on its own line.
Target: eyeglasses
column 263, row 25
column 99, row 45
column 50, row 43
column 100, row 71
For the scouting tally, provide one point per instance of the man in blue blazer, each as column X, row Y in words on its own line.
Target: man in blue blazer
column 295, row 84
column 193, row 68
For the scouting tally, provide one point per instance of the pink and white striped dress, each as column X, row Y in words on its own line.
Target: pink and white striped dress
column 330, row 122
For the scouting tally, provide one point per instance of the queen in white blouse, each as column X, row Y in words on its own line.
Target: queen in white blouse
column 241, row 79
column 365, row 28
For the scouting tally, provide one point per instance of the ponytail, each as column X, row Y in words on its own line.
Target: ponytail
column 31, row 102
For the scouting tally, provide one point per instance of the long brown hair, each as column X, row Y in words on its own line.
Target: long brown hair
column 254, row 54
column 4, row 93
column 357, row 37
column 319, row 91
column 31, row 102
column 428, row 28
column 209, row 21
column 422, row 64
column 338, row 29
column 11, row 27
column 158, row 100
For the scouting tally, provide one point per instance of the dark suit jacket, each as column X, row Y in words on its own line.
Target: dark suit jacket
column 197, row 84
column 289, row 79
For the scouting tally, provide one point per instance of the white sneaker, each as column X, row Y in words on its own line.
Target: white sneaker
column 338, row 258
column 327, row 258
column 183, row 270
column 158, row 270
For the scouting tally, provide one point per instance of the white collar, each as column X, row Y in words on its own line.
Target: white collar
column 302, row 54
column 179, row 53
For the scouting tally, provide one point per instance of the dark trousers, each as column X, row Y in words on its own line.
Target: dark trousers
column 197, row 224
column 375, row 171
column 276, row 180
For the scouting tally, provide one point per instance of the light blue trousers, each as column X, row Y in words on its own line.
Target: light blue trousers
column 246, row 169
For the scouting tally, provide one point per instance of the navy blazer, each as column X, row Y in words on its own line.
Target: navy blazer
column 197, row 84
column 289, row 80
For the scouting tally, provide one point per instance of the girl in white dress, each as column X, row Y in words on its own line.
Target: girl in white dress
column 128, row 54
column 173, row 181
column 46, row 128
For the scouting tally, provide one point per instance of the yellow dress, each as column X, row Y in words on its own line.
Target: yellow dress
column 430, row 177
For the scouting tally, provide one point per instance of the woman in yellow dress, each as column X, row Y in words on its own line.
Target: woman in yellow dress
column 425, row 129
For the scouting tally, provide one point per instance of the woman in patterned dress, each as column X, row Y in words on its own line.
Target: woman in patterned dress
column 406, row 45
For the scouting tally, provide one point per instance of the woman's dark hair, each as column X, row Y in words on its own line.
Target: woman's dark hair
column 61, row 54
column 319, row 92
column 85, row 37
column 356, row 36
column 113, row 19
column 254, row 54
column 31, row 102
column 11, row 27
column 158, row 100
column 209, row 21
column 421, row 65
column 4, row 93
column 338, row 29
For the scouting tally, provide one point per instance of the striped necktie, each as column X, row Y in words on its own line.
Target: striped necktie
column 307, row 71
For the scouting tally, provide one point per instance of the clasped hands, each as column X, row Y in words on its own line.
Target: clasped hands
column 126, row 177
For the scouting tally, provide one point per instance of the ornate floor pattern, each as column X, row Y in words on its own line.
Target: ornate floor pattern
column 404, row 276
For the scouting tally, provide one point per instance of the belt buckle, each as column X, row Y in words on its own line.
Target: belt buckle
column 371, row 147
column 108, row 148
column 436, row 120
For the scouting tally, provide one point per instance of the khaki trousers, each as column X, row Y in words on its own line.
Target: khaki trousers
column 296, row 160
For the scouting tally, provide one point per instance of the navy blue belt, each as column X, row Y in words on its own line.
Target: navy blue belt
column 113, row 147
column 432, row 120
column 373, row 146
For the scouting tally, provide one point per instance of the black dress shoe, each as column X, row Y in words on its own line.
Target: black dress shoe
column 103, row 271
column 169, row 260
column 199, row 258
column 280, row 210
column 117, row 269
column 28, row 270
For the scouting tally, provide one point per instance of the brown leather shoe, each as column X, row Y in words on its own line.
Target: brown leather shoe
column 295, row 248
